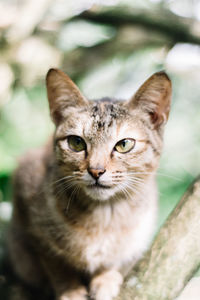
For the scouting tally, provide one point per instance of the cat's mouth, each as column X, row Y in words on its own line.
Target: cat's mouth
column 99, row 191
column 98, row 185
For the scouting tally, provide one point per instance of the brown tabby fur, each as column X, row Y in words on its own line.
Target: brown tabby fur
column 83, row 239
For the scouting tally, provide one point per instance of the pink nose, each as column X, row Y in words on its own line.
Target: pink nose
column 96, row 172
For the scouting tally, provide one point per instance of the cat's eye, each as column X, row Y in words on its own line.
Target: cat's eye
column 76, row 143
column 125, row 145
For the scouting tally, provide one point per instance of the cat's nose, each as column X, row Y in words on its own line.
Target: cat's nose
column 96, row 172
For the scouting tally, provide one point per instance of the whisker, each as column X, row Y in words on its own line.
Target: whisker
column 67, row 181
column 63, row 178
column 57, row 182
column 158, row 173
column 65, row 187
column 125, row 187
column 136, row 179
column 74, row 192
column 137, row 185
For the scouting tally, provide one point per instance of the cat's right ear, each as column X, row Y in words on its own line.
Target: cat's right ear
column 154, row 98
column 62, row 93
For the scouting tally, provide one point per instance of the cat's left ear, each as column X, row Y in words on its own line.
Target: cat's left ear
column 154, row 98
column 62, row 93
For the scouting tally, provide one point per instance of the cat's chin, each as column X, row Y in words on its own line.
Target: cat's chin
column 99, row 193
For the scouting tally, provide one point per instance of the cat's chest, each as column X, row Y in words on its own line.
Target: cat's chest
column 108, row 248
column 116, row 242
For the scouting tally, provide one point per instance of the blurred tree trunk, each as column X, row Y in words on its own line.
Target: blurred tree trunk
column 174, row 256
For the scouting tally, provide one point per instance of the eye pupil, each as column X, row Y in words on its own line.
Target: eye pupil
column 124, row 144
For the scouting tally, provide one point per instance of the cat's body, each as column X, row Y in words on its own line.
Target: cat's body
column 85, row 209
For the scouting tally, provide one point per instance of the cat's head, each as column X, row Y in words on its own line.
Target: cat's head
column 106, row 147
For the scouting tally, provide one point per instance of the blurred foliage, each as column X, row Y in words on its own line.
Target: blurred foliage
column 106, row 56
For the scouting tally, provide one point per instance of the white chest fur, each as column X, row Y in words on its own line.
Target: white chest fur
column 121, row 244
column 117, row 238
column 111, row 237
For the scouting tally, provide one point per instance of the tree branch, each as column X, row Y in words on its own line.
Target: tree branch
column 124, row 43
column 174, row 256
column 135, row 29
column 178, row 29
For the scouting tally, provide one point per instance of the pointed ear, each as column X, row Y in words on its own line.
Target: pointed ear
column 154, row 97
column 62, row 93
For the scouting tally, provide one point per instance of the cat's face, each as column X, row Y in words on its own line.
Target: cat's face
column 107, row 147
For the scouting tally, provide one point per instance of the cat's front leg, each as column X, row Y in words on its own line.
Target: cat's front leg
column 105, row 285
column 70, row 289
column 79, row 293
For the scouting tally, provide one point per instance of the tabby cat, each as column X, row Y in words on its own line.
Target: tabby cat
column 85, row 204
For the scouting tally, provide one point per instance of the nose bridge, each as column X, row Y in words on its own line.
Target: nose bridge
column 98, row 159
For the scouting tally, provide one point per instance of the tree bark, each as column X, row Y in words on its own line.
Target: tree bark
column 174, row 256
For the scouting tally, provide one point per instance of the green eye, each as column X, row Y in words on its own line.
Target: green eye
column 125, row 145
column 76, row 143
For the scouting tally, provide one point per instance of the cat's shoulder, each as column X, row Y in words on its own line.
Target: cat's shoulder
column 31, row 170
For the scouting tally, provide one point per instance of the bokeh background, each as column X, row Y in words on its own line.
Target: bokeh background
column 108, row 47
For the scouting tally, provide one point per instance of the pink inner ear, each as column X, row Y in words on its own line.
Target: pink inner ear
column 57, row 117
column 154, row 117
column 157, row 119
